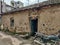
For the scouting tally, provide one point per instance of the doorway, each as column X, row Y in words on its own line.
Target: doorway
column 34, row 26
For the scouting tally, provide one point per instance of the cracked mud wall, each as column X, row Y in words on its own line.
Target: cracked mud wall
column 48, row 20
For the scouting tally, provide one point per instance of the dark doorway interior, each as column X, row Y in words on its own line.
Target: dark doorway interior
column 34, row 25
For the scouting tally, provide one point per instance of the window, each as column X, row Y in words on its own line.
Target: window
column 11, row 22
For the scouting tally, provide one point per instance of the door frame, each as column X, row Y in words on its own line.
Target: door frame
column 30, row 18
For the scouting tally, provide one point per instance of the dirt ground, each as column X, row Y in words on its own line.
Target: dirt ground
column 6, row 39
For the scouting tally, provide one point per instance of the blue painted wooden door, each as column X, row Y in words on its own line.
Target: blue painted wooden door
column 34, row 25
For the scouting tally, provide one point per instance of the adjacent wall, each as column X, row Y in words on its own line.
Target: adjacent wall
column 49, row 20
column 21, row 21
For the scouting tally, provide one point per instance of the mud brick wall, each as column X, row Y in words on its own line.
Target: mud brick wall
column 48, row 20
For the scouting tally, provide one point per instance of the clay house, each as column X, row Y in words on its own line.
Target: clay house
column 42, row 17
